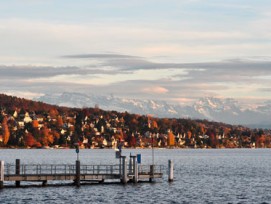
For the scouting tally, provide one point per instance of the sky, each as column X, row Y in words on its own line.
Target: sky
column 172, row 50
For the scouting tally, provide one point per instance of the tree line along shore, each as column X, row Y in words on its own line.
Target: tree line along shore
column 29, row 124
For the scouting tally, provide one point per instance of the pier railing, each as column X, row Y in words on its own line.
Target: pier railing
column 80, row 172
column 147, row 169
column 69, row 169
column 60, row 169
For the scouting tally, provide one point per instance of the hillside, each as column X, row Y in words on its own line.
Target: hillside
column 12, row 103
column 26, row 123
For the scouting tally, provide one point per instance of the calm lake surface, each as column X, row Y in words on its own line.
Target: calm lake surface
column 200, row 176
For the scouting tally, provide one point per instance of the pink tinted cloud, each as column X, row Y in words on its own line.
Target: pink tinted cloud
column 155, row 90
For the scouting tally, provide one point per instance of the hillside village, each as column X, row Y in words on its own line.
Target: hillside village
column 28, row 124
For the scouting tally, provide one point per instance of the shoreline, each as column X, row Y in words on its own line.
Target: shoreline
column 61, row 148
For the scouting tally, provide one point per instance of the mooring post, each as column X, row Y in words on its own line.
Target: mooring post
column 17, row 171
column 2, row 174
column 77, row 176
column 151, row 173
column 124, row 170
column 44, row 183
column 135, row 169
column 120, row 168
column 130, row 164
column 170, row 170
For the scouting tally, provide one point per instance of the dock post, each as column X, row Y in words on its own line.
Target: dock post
column 17, row 171
column 120, row 168
column 124, row 170
column 131, row 164
column 151, row 173
column 77, row 176
column 170, row 170
column 135, row 169
column 2, row 174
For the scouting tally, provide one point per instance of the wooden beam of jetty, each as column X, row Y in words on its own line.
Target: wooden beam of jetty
column 80, row 172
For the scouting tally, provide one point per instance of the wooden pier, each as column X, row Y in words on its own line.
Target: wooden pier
column 77, row 173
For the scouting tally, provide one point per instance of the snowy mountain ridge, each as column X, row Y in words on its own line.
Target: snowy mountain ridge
column 225, row 110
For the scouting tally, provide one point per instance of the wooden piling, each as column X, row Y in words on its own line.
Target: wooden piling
column 2, row 174
column 151, row 173
column 120, row 167
column 17, row 171
column 135, row 169
column 170, row 170
column 77, row 179
column 131, row 164
column 124, row 170
column 44, row 183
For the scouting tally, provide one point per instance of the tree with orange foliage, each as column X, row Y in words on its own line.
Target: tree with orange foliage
column 5, row 130
column 189, row 134
column 154, row 124
column 35, row 124
column 59, row 122
column 47, row 137
column 53, row 112
column 260, row 141
column 29, row 140
column 171, row 139
column 56, row 136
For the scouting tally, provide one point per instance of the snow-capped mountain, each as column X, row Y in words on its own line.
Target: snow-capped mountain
column 222, row 110
column 78, row 100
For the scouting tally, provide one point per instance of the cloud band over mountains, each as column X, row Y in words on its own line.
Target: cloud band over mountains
column 135, row 76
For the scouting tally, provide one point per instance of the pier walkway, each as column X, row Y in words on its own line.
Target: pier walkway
column 77, row 173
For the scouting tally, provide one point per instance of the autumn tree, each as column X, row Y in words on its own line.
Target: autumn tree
column 53, row 112
column 5, row 130
column 35, row 123
column 212, row 138
column 132, row 141
column 46, row 136
column 29, row 140
column 171, row 139
column 56, row 136
column 59, row 122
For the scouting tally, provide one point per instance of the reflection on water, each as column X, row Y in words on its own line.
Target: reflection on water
column 200, row 176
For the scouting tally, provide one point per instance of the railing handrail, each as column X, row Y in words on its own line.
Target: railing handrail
column 61, row 169
column 70, row 169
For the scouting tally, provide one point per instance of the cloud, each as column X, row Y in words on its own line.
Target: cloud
column 29, row 71
column 155, row 90
column 38, row 40
column 23, row 94
column 101, row 56
column 22, row 72
column 137, row 77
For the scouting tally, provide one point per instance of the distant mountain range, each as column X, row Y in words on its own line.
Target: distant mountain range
column 215, row 109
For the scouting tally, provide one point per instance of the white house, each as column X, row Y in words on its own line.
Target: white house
column 27, row 118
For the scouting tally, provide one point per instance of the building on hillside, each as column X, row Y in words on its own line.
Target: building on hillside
column 27, row 118
column 21, row 124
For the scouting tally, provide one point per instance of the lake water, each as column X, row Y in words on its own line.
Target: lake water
column 200, row 176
